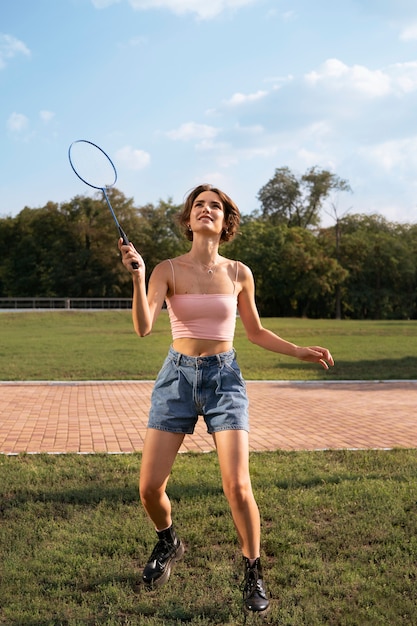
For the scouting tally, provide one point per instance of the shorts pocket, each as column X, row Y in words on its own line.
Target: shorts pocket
column 234, row 369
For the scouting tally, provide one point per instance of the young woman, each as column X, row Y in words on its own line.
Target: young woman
column 200, row 376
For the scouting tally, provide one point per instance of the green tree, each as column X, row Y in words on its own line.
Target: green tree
column 159, row 236
column 35, row 263
column 95, row 258
column 259, row 245
column 296, row 201
column 379, row 258
column 312, row 275
column 68, row 250
column 292, row 272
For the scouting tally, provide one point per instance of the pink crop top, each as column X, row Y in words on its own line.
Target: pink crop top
column 202, row 315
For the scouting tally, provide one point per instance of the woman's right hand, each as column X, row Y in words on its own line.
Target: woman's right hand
column 131, row 255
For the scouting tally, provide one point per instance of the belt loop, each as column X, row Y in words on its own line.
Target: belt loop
column 178, row 358
column 219, row 360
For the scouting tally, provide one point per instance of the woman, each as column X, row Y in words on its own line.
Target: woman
column 200, row 376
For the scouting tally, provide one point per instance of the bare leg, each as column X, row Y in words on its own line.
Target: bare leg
column 159, row 452
column 233, row 452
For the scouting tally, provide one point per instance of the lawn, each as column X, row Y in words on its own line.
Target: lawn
column 339, row 527
column 339, row 541
column 75, row 345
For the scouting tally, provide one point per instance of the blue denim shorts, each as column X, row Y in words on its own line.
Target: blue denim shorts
column 211, row 386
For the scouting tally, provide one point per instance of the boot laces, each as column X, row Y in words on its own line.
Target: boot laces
column 252, row 583
column 162, row 549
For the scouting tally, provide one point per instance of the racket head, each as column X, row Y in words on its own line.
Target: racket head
column 91, row 164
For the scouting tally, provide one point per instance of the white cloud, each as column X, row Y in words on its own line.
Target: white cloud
column 214, row 178
column 203, row 9
column 240, row 98
column 213, row 146
column 278, row 81
column 133, row 159
column 192, row 130
column 404, row 76
column 390, row 155
column 17, row 122
column 338, row 75
column 255, row 129
column 46, row 116
column 409, row 33
column 398, row 78
column 11, row 47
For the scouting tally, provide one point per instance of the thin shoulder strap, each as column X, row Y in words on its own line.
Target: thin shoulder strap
column 173, row 274
column 237, row 272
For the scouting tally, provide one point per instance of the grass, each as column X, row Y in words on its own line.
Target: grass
column 73, row 345
column 339, row 541
column 339, row 527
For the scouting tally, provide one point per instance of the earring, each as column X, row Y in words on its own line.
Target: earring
column 189, row 228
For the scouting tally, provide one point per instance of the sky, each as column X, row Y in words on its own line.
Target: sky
column 183, row 92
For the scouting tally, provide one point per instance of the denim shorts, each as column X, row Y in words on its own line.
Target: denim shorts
column 211, row 386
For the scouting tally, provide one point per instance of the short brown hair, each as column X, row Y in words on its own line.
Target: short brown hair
column 231, row 212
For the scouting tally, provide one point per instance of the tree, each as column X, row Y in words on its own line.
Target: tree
column 293, row 201
column 293, row 273
column 95, row 259
column 36, row 262
column 68, row 250
column 311, row 274
column 159, row 236
column 382, row 268
column 259, row 245
column 333, row 211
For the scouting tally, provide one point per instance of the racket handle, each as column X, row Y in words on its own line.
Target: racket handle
column 135, row 264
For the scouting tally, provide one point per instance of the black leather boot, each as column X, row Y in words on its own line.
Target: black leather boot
column 168, row 549
column 254, row 593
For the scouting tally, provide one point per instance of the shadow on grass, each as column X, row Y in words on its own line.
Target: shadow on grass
column 94, row 495
column 399, row 369
column 323, row 481
column 78, row 496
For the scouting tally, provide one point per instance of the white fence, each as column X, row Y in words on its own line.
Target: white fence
column 64, row 303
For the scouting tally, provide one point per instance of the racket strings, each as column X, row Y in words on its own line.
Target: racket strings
column 92, row 165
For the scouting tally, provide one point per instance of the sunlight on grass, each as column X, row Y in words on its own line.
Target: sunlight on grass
column 75, row 345
column 339, row 540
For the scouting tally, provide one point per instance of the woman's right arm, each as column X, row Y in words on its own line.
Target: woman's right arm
column 145, row 306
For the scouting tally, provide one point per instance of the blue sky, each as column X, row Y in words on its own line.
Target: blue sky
column 181, row 92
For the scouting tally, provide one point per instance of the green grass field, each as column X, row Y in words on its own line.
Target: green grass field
column 339, row 541
column 339, row 528
column 102, row 346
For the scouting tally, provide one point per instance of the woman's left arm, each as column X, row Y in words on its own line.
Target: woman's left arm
column 265, row 338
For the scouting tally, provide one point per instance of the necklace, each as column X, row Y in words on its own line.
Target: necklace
column 210, row 269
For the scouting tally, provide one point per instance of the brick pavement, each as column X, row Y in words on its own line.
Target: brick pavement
column 87, row 417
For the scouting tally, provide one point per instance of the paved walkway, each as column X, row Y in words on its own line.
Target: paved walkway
column 87, row 417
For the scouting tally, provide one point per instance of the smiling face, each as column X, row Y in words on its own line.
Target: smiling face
column 207, row 213
column 207, row 205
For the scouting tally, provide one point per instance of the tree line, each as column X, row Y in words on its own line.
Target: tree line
column 362, row 267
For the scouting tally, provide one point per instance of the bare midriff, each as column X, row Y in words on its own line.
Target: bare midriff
column 201, row 347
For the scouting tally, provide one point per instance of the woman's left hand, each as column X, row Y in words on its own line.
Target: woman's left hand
column 316, row 354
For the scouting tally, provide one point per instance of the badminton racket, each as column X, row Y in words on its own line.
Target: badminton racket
column 96, row 169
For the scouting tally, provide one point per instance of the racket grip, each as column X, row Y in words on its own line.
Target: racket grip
column 135, row 264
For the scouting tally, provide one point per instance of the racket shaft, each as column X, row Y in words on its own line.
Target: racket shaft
column 122, row 233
